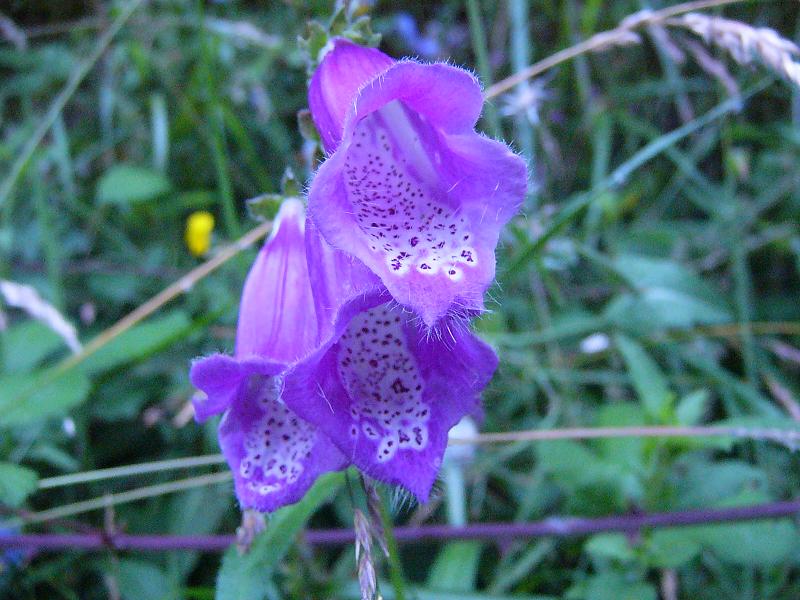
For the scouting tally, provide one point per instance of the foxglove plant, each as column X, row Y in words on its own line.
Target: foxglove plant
column 409, row 187
column 353, row 343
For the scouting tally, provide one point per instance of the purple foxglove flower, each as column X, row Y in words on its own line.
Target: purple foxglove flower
column 409, row 188
column 385, row 389
column 275, row 455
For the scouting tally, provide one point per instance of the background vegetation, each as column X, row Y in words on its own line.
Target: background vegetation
column 657, row 293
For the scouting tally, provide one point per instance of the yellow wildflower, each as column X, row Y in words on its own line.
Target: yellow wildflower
column 199, row 226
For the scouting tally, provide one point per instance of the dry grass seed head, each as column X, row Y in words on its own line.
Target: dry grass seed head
column 745, row 43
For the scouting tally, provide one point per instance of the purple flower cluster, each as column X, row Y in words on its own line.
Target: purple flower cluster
column 353, row 344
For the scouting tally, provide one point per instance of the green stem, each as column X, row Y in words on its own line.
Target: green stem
column 743, row 294
column 51, row 241
column 395, row 566
column 217, row 137
column 520, row 58
column 229, row 217
column 583, row 78
column 480, row 47
column 63, row 161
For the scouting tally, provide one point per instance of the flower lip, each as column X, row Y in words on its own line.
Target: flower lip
column 220, row 377
column 387, row 393
column 275, row 456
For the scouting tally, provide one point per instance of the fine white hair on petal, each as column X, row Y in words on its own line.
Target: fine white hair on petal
column 26, row 298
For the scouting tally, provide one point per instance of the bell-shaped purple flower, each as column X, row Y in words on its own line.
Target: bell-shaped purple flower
column 410, row 188
column 274, row 454
column 383, row 387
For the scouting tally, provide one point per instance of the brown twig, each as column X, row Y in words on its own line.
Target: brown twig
column 788, row 437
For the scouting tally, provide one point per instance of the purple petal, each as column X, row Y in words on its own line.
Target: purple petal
column 219, row 376
column 415, row 194
column 276, row 316
column 387, row 392
column 449, row 97
column 343, row 70
column 341, row 284
column 274, row 455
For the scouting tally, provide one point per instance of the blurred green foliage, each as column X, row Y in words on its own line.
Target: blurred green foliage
column 670, row 298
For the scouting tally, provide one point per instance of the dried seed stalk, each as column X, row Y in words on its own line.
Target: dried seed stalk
column 746, row 43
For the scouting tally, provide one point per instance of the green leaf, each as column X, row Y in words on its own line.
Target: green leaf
column 756, row 544
column 28, row 398
column 753, row 400
column 352, row 592
column 115, row 288
column 671, row 548
column 139, row 342
column 142, row 580
column 644, row 272
column 752, row 543
column 667, row 295
column 16, row 483
column 455, row 567
column 189, row 200
column 628, row 453
column 246, row 577
column 53, row 456
column 678, row 309
column 570, row 463
column 129, row 184
column 611, row 546
column 706, row 484
column 581, row 471
column 196, row 512
column 519, row 568
column 612, row 586
column 26, row 344
column 649, row 381
column 692, row 408
column 264, row 207
column 122, row 399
